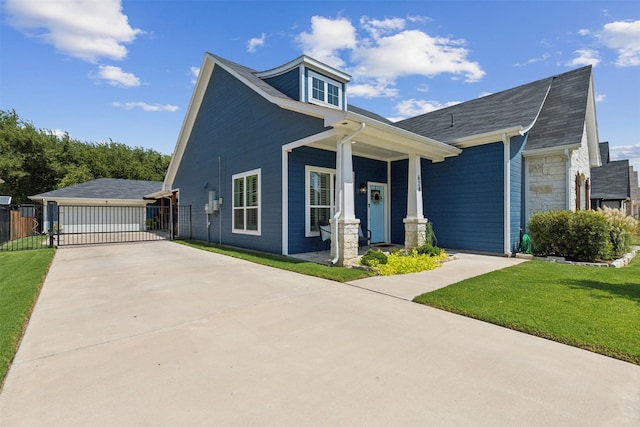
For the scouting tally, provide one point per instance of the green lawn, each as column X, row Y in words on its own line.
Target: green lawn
column 21, row 276
column 596, row 309
column 338, row 274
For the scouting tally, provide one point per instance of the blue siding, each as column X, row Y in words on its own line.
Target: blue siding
column 399, row 180
column 365, row 170
column 463, row 198
column 287, row 83
column 517, row 181
column 246, row 132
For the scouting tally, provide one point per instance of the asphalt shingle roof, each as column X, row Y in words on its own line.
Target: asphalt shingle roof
column 105, row 188
column 611, row 181
column 561, row 119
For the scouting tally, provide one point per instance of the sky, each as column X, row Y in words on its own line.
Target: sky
column 125, row 70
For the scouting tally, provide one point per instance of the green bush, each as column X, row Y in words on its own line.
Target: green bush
column 373, row 257
column 622, row 229
column 428, row 249
column 412, row 262
column 579, row 236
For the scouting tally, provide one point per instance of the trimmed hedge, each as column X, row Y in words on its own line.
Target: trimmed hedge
column 579, row 236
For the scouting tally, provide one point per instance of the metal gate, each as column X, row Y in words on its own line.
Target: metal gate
column 21, row 227
column 35, row 226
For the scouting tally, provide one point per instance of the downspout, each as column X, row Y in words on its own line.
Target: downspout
column 338, row 213
column 567, row 179
column 507, row 195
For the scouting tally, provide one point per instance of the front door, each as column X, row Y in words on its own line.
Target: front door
column 377, row 193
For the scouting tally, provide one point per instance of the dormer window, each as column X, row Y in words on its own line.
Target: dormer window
column 324, row 91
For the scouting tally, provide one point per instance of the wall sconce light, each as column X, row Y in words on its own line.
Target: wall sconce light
column 363, row 189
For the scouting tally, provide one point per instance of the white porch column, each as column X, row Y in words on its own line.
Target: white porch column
column 415, row 224
column 414, row 188
column 344, row 241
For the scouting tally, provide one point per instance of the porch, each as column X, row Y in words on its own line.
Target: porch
column 323, row 256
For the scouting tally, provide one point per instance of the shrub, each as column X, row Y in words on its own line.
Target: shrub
column 549, row 231
column 581, row 236
column 373, row 258
column 622, row 228
column 428, row 249
column 413, row 262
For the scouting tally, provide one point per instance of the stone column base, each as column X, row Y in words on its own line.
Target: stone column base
column 415, row 230
column 347, row 242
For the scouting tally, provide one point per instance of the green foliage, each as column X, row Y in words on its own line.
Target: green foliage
column 21, row 274
column 34, row 161
column 373, row 257
column 622, row 228
column 429, row 249
column 412, row 262
column 580, row 236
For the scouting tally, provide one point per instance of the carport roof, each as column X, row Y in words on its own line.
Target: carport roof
column 104, row 189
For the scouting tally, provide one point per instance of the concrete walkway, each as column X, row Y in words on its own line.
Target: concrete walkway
column 159, row 334
column 463, row 266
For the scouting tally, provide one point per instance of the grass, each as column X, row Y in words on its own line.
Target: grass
column 29, row 242
column 21, row 277
column 338, row 274
column 597, row 309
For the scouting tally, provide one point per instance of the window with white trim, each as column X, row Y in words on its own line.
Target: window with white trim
column 319, row 198
column 324, row 91
column 246, row 203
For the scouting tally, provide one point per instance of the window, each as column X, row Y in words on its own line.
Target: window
column 319, row 198
column 324, row 91
column 246, row 203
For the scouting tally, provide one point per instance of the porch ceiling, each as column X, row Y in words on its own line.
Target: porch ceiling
column 383, row 142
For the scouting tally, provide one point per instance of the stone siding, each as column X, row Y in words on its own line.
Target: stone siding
column 547, row 188
column 579, row 165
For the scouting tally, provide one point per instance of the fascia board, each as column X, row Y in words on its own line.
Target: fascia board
column 395, row 134
column 486, row 138
column 202, row 82
column 304, row 60
column 82, row 201
column 559, row 150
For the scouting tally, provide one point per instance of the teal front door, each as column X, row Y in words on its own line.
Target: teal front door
column 377, row 212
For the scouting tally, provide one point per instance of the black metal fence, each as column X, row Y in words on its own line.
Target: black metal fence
column 21, row 227
column 35, row 226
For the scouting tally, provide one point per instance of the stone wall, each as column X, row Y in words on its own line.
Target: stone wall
column 547, row 189
column 579, row 165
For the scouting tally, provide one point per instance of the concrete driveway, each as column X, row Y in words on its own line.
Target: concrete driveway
column 160, row 334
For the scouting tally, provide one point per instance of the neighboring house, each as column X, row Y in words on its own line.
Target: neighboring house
column 615, row 184
column 285, row 151
column 79, row 205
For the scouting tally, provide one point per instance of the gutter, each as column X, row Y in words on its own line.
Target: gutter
column 339, row 166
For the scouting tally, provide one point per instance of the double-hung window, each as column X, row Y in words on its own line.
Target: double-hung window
column 246, row 202
column 324, row 91
column 319, row 198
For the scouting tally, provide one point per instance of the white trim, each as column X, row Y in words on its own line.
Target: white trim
column 507, row 194
column 535, row 119
column 301, row 61
column 326, row 81
column 486, row 137
column 307, row 201
column 285, row 201
column 550, row 151
column 244, row 175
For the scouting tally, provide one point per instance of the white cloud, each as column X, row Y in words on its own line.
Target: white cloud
column 194, row 72
column 624, row 151
column 585, row 57
column 584, row 32
column 380, row 51
column 540, row 58
column 145, row 107
column 255, row 42
column 377, row 27
column 369, row 90
column 600, row 97
column 327, row 37
column 84, row 29
column 624, row 37
column 415, row 107
column 413, row 52
column 116, row 77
